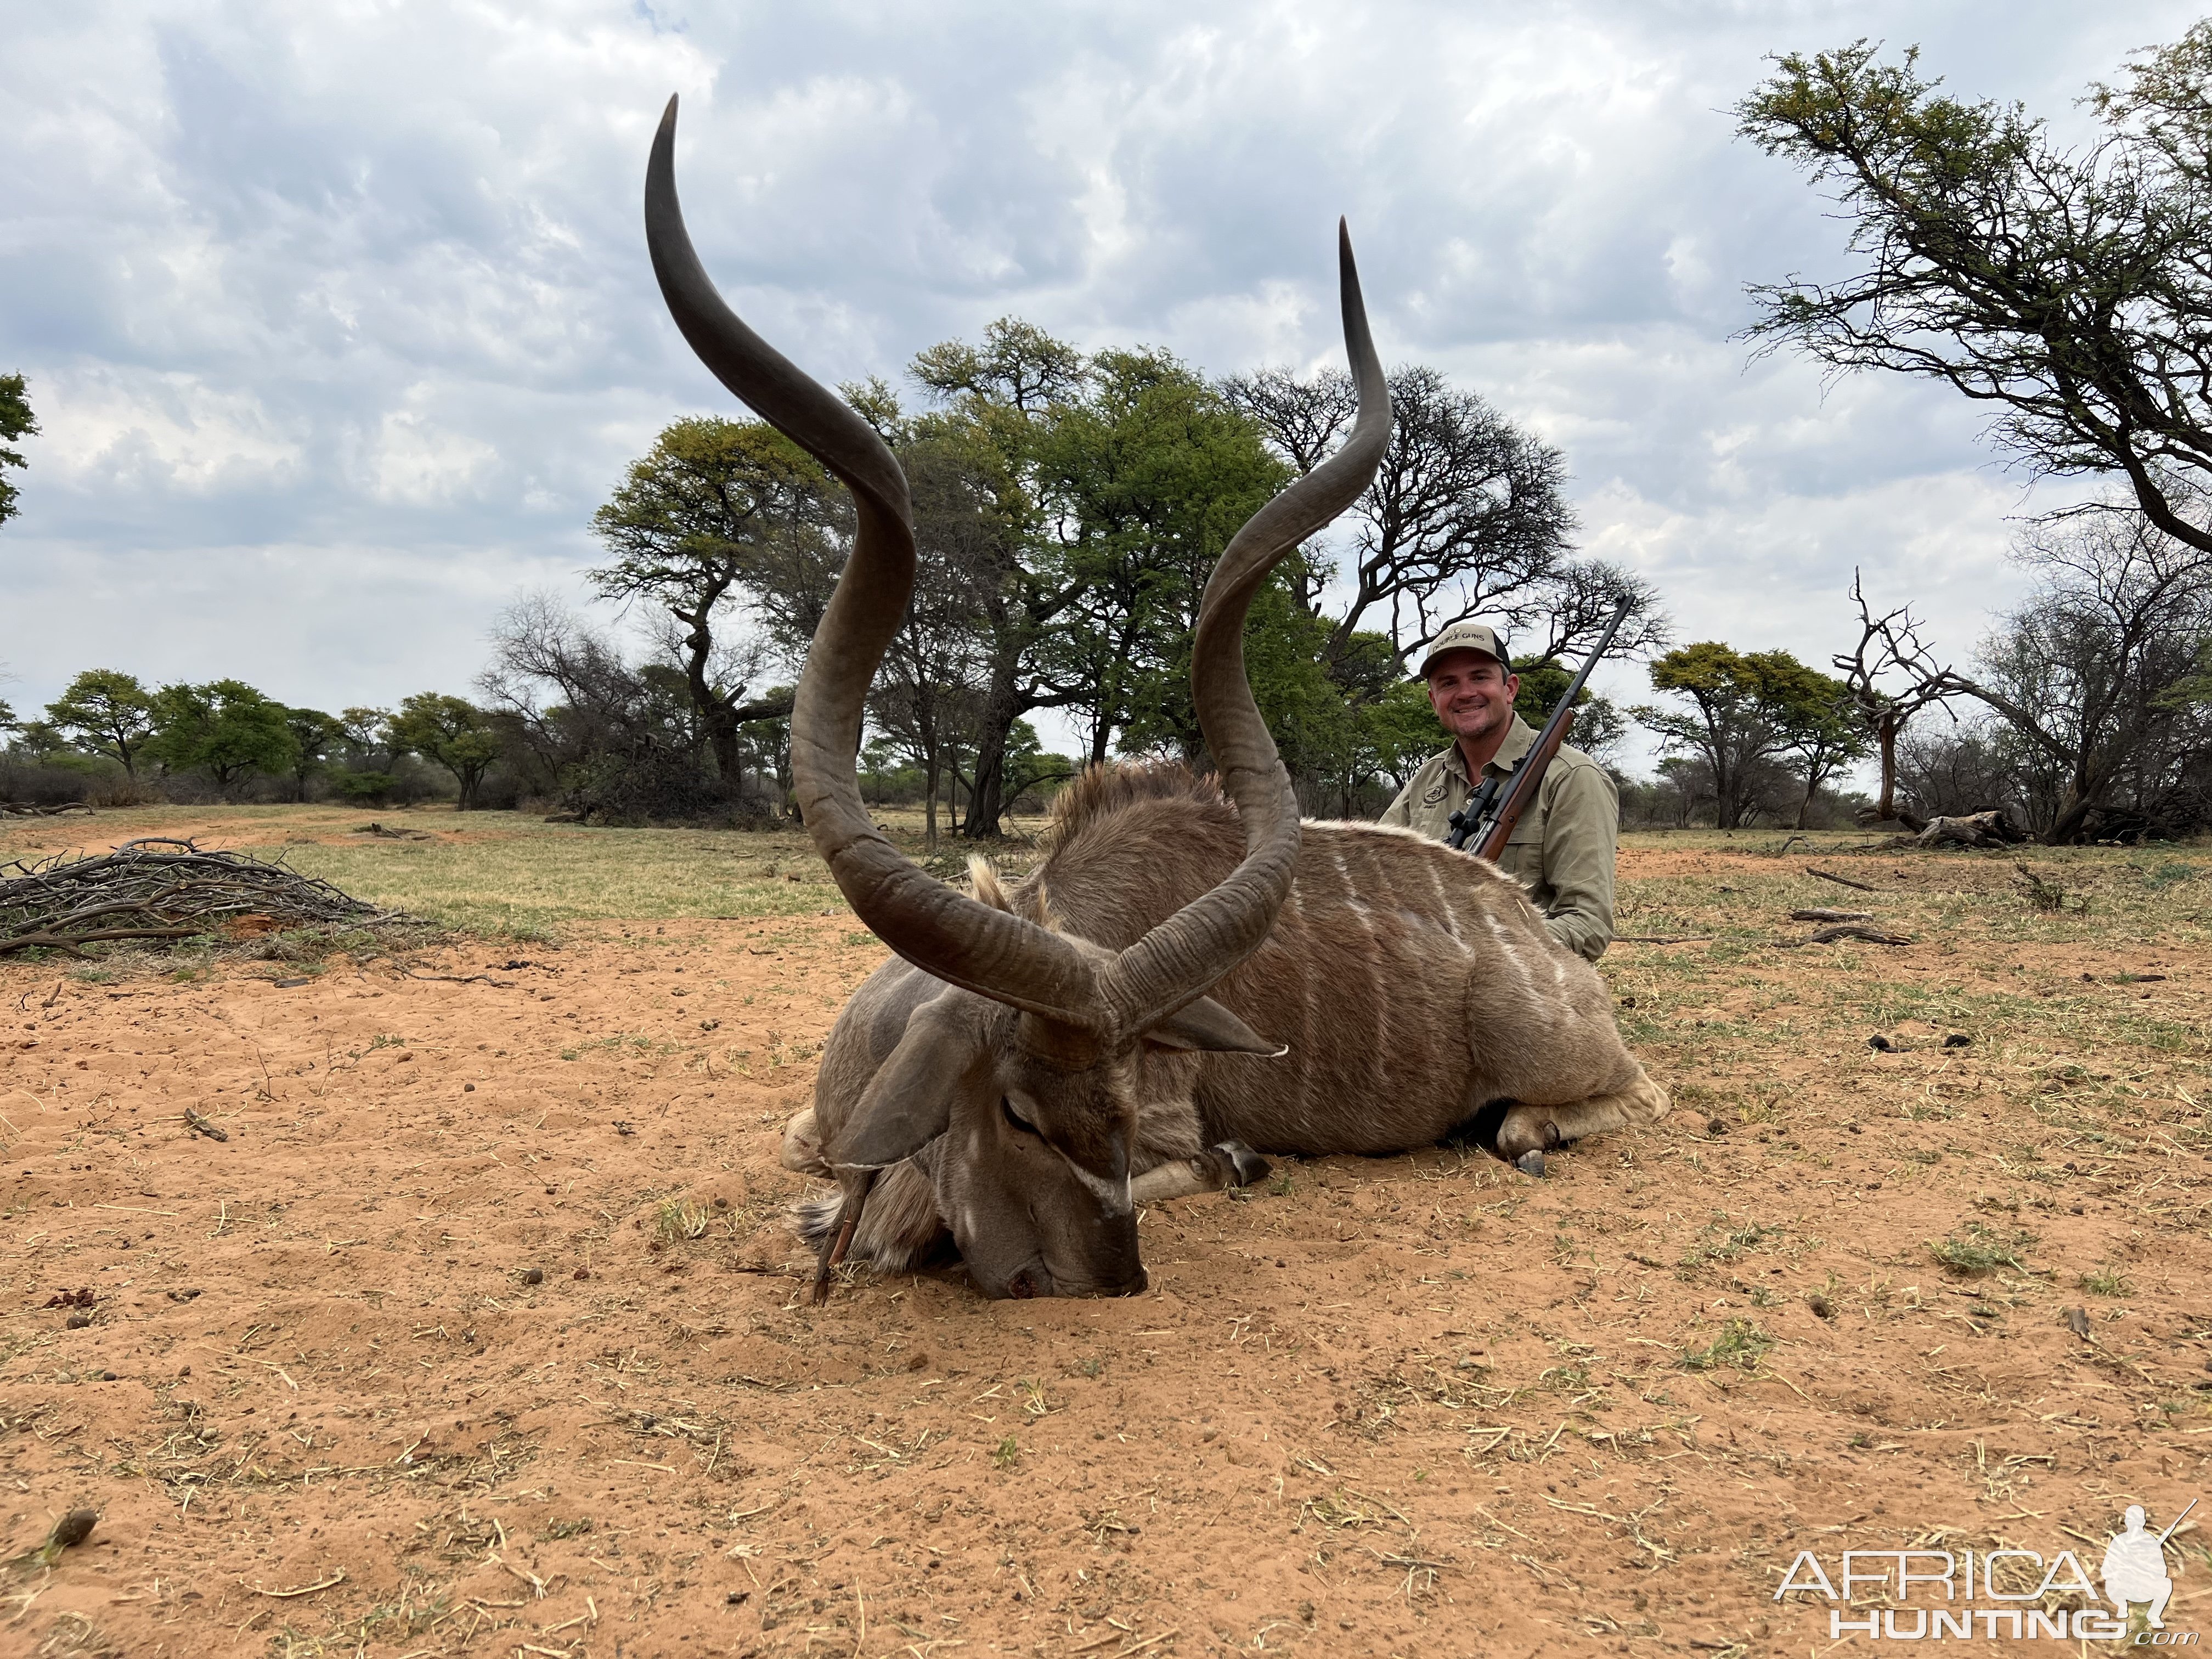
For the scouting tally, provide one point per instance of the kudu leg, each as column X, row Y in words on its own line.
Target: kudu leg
column 1230, row 1164
column 1545, row 1128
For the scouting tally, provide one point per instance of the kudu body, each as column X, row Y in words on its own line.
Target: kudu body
column 1413, row 985
column 1036, row 1055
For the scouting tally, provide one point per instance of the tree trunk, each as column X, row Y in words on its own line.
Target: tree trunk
column 716, row 714
column 1002, row 707
column 2066, row 828
column 1885, row 735
column 722, row 744
column 929, row 804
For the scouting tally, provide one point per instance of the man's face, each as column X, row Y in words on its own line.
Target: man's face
column 1472, row 694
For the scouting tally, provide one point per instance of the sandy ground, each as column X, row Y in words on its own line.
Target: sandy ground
column 423, row 1359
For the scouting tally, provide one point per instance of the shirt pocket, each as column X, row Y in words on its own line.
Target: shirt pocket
column 1522, row 856
column 1529, row 833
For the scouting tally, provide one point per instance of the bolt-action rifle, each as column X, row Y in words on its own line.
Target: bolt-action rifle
column 1493, row 810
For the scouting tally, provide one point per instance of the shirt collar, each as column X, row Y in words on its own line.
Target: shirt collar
column 1520, row 738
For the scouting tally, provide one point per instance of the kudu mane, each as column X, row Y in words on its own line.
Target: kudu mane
column 1129, row 840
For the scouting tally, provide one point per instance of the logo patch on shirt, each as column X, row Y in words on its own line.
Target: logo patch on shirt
column 1435, row 796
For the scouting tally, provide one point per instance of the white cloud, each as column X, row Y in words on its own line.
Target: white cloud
column 339, row 325
column 415, row 462
column 121, row 428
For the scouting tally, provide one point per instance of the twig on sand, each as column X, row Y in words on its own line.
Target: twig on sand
column 337, row 1578
column 1841, row 881
column 1847, row 930
column 200, row 1125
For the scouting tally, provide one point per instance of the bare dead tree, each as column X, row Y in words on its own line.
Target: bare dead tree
column 1890, row 648
column 1467, row 516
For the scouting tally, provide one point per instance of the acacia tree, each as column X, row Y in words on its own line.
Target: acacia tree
column 1822, row 732
column 1892, row 676
column 2092, row 676
column 2092, row 682
column 719, row 509
column 224, row 728
column 2068, row 290
column 108, row 712
column 16, row 421
column 1146, row 478
column 997, row 402
column 315, row 734
column 1465, row 517
column 1748, row 710
column 616, row 739
column 452, row 731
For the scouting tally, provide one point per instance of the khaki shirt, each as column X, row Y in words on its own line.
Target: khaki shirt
column 1562, row 850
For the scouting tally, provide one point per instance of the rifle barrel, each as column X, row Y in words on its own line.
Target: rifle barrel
column 1566, row 703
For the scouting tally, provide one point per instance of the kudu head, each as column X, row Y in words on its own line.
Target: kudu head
column 1018, row 1083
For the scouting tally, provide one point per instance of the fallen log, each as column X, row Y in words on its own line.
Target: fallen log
column 25, row 809
column 1969, row 829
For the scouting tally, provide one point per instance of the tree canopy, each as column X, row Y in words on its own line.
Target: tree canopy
column 454, row 732
column 716, row 509
column 2067, row 290
column 224, row 728
column 107, row 711
column 16, row 421
column 1748, row 709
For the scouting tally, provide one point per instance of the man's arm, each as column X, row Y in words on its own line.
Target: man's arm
column 1582, row 834
column 1401, row 810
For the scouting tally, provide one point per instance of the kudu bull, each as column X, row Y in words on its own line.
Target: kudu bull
column 1044, row 1059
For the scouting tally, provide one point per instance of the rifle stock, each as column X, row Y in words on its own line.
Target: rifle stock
column 1521, row 788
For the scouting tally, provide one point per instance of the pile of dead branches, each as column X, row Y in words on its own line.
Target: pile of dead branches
column 158, row 888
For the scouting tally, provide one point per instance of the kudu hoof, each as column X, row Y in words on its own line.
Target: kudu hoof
column 1519, row 1136
column 1236, row 1165
column 1530, row 1163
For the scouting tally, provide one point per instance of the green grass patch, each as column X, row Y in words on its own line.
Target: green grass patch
column 1741, row 1346
column 1977, row 1249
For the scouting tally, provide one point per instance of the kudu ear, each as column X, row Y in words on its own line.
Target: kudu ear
column 909, row 1101
column 1208, row 1027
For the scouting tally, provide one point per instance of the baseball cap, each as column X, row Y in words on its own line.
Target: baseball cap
column 1467, row 636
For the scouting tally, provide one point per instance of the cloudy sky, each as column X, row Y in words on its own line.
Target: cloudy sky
column 338, row 322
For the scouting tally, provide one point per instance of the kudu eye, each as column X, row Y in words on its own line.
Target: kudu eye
column 1015, row 1117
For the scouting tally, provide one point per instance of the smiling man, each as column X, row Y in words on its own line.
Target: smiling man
column 1563, row 848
